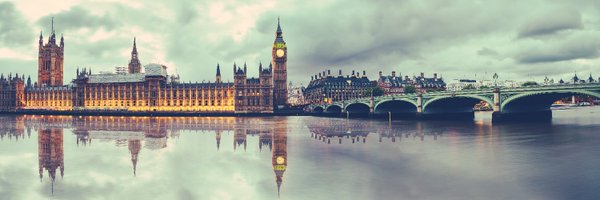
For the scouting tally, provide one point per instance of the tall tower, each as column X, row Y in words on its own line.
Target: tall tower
column 134, row 64
column 266, row 87
column 239, row 76
column 279, row 70
column 50, row 60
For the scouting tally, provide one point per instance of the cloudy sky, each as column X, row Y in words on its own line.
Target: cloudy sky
column 519, row 40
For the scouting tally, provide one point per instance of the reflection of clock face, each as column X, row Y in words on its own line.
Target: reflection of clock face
column 280, row 160
column 280, row 53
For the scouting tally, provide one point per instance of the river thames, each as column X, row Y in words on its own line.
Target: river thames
column 60, row 157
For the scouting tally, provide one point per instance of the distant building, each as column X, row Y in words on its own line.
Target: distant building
column 12, row 94
column 326, row 88
column 510, row 84
column 121, row 70
column 460, row 84
column 396, row 84
column 463, row 84
column 296, row 95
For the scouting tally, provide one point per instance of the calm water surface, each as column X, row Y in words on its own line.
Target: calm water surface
column 52, row 157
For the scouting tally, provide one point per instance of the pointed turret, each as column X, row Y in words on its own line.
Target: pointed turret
column 135, row 65
column 234, row 68
column 134, row 50
column 218, row 78
column 279, row 32
column 52, row 33
column 218, row 70
column 41, row 41
column 62, row 40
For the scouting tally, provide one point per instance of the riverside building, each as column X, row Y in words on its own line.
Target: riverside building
column 327, row 88
column 152, row 90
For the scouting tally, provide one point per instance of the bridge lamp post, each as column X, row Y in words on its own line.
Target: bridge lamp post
column 495, row 80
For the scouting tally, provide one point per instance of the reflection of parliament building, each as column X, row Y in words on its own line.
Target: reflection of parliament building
column 150, row 133
column 152, row 90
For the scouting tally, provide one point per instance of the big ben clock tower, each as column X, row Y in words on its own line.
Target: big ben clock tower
column 279, row 70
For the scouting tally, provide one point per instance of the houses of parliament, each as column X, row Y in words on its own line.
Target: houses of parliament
column 153, row 90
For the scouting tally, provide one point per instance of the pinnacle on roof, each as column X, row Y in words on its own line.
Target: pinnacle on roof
column 134, row 46
column 278, row 26
column 218, row 70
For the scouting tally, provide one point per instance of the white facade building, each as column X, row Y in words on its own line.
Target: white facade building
column 296, row 95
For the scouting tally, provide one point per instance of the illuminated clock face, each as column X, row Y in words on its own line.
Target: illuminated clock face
column 280, row 53
column 280, row 160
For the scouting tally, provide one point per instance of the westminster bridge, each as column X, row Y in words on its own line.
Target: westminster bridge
column 509, row 104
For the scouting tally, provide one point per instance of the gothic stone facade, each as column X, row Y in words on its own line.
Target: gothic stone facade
column 50, row 61
column 149, row 91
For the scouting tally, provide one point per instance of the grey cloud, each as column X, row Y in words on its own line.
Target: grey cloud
column 487, row 52
column 78, row 17
column 551, row 22
column 569, row 49
column 27, row 67
column 14, row 29
column 352, row 35
column 491, row 53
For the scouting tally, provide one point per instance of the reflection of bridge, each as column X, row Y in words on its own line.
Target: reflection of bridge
column 327, row 129
column 508, row 104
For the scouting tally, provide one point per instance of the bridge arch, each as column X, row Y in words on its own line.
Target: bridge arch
column 317, row 109
column 454, row 104
column 395, row 106
column 358, row 107
column 334, row 108
column 539, row 100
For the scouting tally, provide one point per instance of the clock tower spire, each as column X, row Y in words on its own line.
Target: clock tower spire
column 279, row 63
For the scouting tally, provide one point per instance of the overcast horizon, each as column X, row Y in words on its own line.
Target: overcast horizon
column 461, row 39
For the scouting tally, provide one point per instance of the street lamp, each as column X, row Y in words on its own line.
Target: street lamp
column 496, row 80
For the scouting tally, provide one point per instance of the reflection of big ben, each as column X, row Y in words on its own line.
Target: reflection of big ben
column 50, row 152
column 279, row 158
